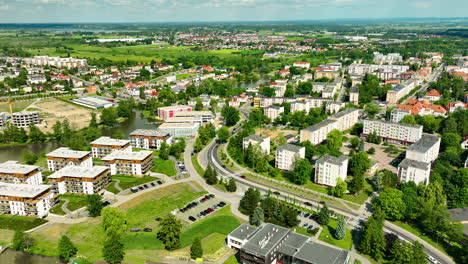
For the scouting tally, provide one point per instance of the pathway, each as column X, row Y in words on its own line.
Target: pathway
column 64, row 206
column 117, row 185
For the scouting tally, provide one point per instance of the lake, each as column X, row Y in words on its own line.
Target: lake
column 10, row 256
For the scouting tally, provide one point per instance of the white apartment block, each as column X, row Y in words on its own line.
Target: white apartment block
column 129, row 163
column 262, row 142
column 304, row 65
column 425, row 149
column 3, row 119
column 389, row 58
column 80, row 180
column 180, row 129
column 25, row 199
column 63, row 157
column 317, row 133
column 300, row 106
column 345, row 119
column 416, row 171
column 103, row 146
column 397, row 114
column 333, row 107
column 329, row 168
column 149, row 138
column 354, row 95
column 382, row 71
column 273, row 112
column 58, row 62
column 13, row 172
column 205, row 116
column 287, row 154
column 23, row 119
column 399, row 91
column 393, row 132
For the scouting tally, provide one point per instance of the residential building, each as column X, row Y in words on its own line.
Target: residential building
column 326, row 72
column 180, row 129
column 205, row 116
column 422, row 108
column 273, row 112
column 3, row 119
column 183, row 119
column 329, row 168
column 149, row 138
column 287, row 154
column 304, row 65
column 397, row 114
column 262, row 142
column 345, row 119
column 23, row 119
column 13, row 172
column 432, row 95
column 270, row 243
column 384, row 72
column 333, row 107
column 300, row 106
column 58, row 62
column 390, row 58
column 317, row 133
column 80, row 180
column 129, row 163
column 399, row 91
column 103, row 146
column 64, row 156
column 416, row 171
column 36, row 79
column 426, row 149
column 393, row 132
column 464, row 144
column 454, row 106
column 169, row 111
column 354, row 95
column 25, row 199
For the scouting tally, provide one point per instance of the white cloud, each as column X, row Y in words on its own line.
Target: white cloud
column 423, row 4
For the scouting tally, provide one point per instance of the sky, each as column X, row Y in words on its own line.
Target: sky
column 90, row 11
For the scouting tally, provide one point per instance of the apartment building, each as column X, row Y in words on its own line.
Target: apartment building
column 23, row 119
column 393, row 132
column 416, row 171
column 205, row 116
column 329, row 168
column 25, row 199
column 270, row 243
column 180, row 129
column 169, row 111
column 384, row 72
column 103, row 146
column 300, row 106
column 333, row 107
column 287, row 154
column 149, row 138
column 129, row 163
column 399, row 91
column 317, row 133
column 354, row 95
column 2, row 119
column 13, row 172
column 345, row 119
column 273, row 112
column 426, row 149
column 58, row 62
column 304, row 65
column 262, row 142
column 397, row 114
column 389, row 58
column 80, row 180
column 64, row 156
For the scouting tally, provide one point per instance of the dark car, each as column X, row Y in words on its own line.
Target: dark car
column 311, row 216
column 152, row 184
column 193, row 219
column 211, row 195
column 141, row 188
column 148, row 230
column 306, row 215
column 105, row 203
column 308, row 203
column 210, row 210
column 276, row 193
column 146, row 186
column 242, row 176
column 158, row 219
column 159, row 182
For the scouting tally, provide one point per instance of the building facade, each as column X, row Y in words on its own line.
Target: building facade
column 103, row 146
column 393, row 132
column 169, row 111
column 129, row 163
column 345, row 119
column 205, row 116
column 273, row 112
column 397, row 114
column 25, row 118
column 25, row 199
column 416, row 171
column 13, row 172
column 180, row 129
column 317, row 133
column 287, row 154
column 262, row 142
column 329, row 168
column 63, row 157
column 149, row 138
column 80, row 180
column 425, row 149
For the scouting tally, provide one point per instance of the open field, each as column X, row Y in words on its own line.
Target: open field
column 75, row 201
column 184, row 76
column 328, row 232
column 272, row 134
column 164, row 167
column 16, row 222
column 57, row 209
column 127, row 181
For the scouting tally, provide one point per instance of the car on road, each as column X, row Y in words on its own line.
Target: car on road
column 159, row 182
column 307, row 215
column 307, row 203
column 432, row 260
column 278, row 193
column 242, row 176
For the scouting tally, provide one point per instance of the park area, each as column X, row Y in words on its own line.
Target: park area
column 164, row 167
column 141, row 212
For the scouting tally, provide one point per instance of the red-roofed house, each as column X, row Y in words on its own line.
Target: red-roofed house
column 422, row 108
column 207, row 68
column 432, row 95
column 454, row 106
column 283, row 73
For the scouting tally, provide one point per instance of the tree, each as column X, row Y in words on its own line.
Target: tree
column 371, row 109
column 169, row 232
column 164, row 151
column 35, row 134
column 257, row 218
column 408, row 119
column 29, row 157
column 355, row 142
column 391, row 202
column 359, row 164
column 302, row 171
column 196, row 250
column 224, row 134
column 249, row 202
column 290, row 217
column 109, row 116
column 114, row 220
column 66, row 249
column 269, row 206
column 17, row 242
column 335, row 139
column 210, row 176
column 450, row 140
column 372, row 240
column 113, row 249
column 199, row 104
column 94, row 205
column 340, row 231
column 340, row 188
column 230, row 115
column 231, row 186
column 93, row 122
column 323, row 216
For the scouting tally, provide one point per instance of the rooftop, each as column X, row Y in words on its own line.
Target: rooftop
column 193, row 113
column 265, row 239
column 65, row 152
column 243, row 231
column 127, row 155
column 254, row 137
column 174, row 107
column 407, row 163
column 79, row 172
column 178, row 125
column 344, row 112
column 392, row 123
column 15, row 167
column 313, row 252
column 22, row 190
column 317, row 126
column 110, row 141
column 290, row 147
column 148, row 132
column 26, row 113
column 332, row 159
column 425, row 143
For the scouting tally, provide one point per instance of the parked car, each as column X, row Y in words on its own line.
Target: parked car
column 152, row 184
column 159, row 182
column 148, row 230
column 193, row 219
column 141, row 188
column 135, row 230
column 210, row 210
column 211, row 195
column 145, row 185
column 305, row 225
column 310, row 227
column 134, row 189
column 242, row 176
column 307, row 203
column 306, row 215
column 106, row 203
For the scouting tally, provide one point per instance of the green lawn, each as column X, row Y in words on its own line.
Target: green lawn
column 184, row 76
column 164, row 167
column 76, row 201
column 16, row 222
column 58, row 208
column 197, row 165
column 111, row 187
column 213, row 243
column 127, row 181
column 327, row 235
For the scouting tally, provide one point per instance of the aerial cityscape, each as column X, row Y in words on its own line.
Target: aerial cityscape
column 225, row 132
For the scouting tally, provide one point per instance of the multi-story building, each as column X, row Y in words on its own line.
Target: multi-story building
column 63, row 157
column 425, row 149
column 333, row 107
column 129, row 163
column 329, row 168
column 287, row 154
column 191, row 119
column 103, row 146
column 149, row 138
column 2, row 119
column 273, row 111
column 397, row 114
column 58, row 62
column 399, row 91
column 305, row 65
column 169, row 111
column 300, row 106
column 13, row 172
column 416, row 171
column 262, row 142
column 81, row 180
column 389, row 58
column 25, row 199
column 180, row 129
column 393, row 132
column 384, row 72
column 275, row 244
column 345, row 119
column 317, row 133
column 23, row 119
column 354, row 95
column 205, row 116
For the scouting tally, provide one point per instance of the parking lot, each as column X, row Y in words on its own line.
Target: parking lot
column 306, row 220
column 200, row 208
column 146, row 186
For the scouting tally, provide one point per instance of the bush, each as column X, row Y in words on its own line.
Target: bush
column 313, row 231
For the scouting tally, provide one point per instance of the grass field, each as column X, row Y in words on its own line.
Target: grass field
column 111, row 187
column 197, row 165
column 213, row 243
column 57, row 209
column 127, row 181
column 17, row 106
column 16, row 222
column 234, row 259
column 327, row 235
column 164, row 167
column 75, row 201
column 184, row 76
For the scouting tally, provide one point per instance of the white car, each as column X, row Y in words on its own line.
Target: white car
column 432, row 260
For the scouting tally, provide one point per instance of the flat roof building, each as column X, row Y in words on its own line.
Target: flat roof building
column 416, row 171
column 92, row 102
column 354, row 95
column 64, row 156
column 329, row 168
column 262, row 142
column 425, row 149
column 80, row 180
column 149, row 138
column 273, row 112
column 317, row 133
column 345, row 119
column 129, row 163
column 393, row 132
column 13, row 172
column 397, row 114
column 25, row 199
column 25, row 118
column 169, row 111
column 103, row 146
column 287, row 154
column 206, row 116
column 180, row 129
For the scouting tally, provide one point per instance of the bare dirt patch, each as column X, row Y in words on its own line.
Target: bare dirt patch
column 274, row 133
